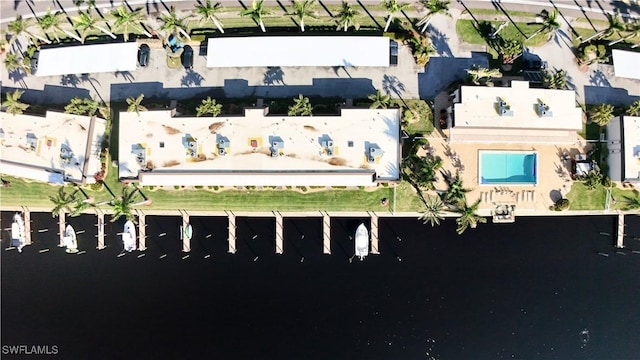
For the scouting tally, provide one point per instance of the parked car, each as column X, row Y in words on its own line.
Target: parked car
column 187, row 57
column 393, row 52
column 144, row 52
column 34, row 62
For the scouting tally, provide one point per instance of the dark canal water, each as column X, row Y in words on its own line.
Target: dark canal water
column 537, row 289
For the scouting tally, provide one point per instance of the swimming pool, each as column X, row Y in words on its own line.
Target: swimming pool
column 507, row 167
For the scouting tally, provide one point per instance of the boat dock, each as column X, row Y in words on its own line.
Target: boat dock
column 61, row 227
column 186, row 240
column 620, row 238
column 374, row 233
column 27, row 225
column 100, row 226
column 232, row 231
column 142, row 231
column 326, row 233
column 279, row 232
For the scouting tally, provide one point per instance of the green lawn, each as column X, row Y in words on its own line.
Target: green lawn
column 499, row 13
column 468, row 33
column 36, row 194
column 581, row 198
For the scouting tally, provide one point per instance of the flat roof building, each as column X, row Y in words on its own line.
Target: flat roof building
column 86, row 59
column 623, row 143
column 626, row 64
column 56, row 148
column 357, row 148
column 515, row 114
column 261, row 51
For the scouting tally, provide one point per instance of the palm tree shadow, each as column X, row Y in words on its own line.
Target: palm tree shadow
column 18, row 76
column 368, row 13
column 598, row 78
column 126, row 75
column 71, row 80
column 440, row 42
column 191, row 78
column 391, row 84
column 273, row 75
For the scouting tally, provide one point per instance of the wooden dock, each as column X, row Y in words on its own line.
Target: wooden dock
column 27, row 225
column 279, row 233
column 374, row 233
column 186, row 241
column 620, row 238
column 142, row 231
column 232, row 232
column 61, row 226
column 326, row 233
column 100, row 226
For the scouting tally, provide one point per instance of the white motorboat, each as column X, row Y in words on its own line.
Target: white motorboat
column 129, row 236
column 186, row 232
column 18, row 237
column 69, row 239
column 362, row 242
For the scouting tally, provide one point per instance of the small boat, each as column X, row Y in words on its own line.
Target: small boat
column 69, row 239
column 18, row 237
column 362, row 242
column 129, row 236
column 186, row 232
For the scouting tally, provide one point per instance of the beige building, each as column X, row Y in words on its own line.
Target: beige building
column 623, row 142
column 360, row 147
column 56, row 148
column 517, row 114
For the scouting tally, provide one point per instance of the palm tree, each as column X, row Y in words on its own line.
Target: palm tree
column 174, row 25
column 634, row 31
column 592, row 179
column 456, row 192
column 426, row 174
column 433, row 211
column 13, row 62
column 422, row 50
column 86, row 106
column 616, row 25
column 632, row 202
column 303, row 9
column 301, row 106
column 122, row 205
column 550, row 23
column 208, row 12
column 556, row 79
column 126, row 20
column 468, row 216
column 601, row 114
column 136, row 104
column 209, row 106
column 434, row 7
column 61, row 202
column 13, row 104
column 634, row 108
column 85, row 23
column 256, row 12
column 379, row 100
column 80, row 205
column 21, row 26
column 393, row 7
column 50, row 24
column 483, row 76
column 348, row 16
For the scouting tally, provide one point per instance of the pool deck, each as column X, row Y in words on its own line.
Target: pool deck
column 552, row 174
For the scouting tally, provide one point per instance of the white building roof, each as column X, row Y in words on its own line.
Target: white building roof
column 626, row 64
column 87, row 59
column 186, row 151
column 623, row 143
column 261, row 51
column 38, row 147
column 479, row 107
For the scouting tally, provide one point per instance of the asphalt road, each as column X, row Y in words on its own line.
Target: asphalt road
column 28, row 8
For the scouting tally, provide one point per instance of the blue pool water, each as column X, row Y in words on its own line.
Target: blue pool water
column 498, row 167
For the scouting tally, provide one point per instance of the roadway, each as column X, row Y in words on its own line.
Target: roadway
column 573, row 8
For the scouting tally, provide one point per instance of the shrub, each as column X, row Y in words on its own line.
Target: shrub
column 176, row 187
column 606, row 181
column 560, row 205
column 198, row 187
